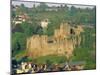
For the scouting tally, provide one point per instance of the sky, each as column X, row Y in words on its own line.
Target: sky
column 30, row 4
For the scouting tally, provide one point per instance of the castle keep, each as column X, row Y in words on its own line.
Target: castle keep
column 63, row 42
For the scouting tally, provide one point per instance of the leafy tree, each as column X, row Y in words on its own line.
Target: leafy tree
column 42, row 6
column 13, row 14
column 22, row 8
column 38, row 30
column 30, row 29
column 18, row 42
column 73, row 10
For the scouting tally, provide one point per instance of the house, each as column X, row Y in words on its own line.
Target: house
column 21, row 18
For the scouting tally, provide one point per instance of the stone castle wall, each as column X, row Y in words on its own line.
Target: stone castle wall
column 61, row 45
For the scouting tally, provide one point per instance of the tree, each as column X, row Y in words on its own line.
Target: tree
column 27, row 29
column 73, row 10
column 66, row 7
column 18, row 42
column 38, row 30
column 31, row 29
column 13, row 14
column 42, row 6
column 23, row 9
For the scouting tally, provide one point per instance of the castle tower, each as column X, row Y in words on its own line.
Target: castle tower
column 44, row 25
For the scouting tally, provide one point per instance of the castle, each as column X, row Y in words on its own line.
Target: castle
column 63, row 42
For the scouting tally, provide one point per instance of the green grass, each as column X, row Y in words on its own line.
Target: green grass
column 51, row 59
column 20, row 54
column 85, row 54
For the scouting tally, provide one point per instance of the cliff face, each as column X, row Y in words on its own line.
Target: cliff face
column 63, row 42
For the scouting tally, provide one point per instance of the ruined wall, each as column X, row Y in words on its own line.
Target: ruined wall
column 62, row 43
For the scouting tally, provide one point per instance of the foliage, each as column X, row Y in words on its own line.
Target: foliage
column 51, row 59
column 18, row 42
column 72, row 14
